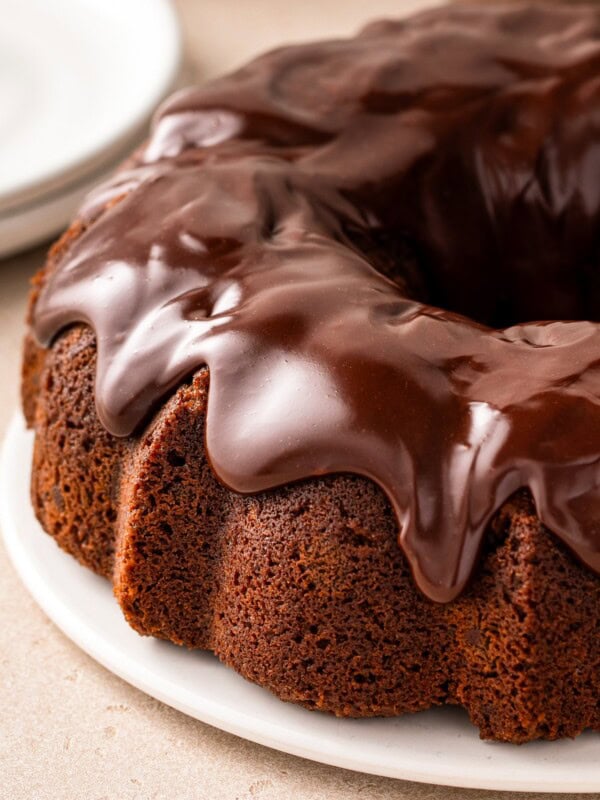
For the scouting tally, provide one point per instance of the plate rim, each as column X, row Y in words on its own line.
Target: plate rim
column 128, row 669
column 94, row 154
column 43, row 218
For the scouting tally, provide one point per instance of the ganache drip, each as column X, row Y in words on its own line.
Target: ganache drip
column 293, row 227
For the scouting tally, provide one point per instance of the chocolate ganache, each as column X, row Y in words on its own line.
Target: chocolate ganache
column 342, row 232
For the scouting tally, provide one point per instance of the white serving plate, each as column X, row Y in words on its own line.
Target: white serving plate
column 78, row 78
column 39, row 220
column 438, row 746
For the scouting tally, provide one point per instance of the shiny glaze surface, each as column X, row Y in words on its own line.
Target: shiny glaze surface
column 295, row 225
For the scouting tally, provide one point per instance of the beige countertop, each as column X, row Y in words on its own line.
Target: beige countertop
column 68, row 728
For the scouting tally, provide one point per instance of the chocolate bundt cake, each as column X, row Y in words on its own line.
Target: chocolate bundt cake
column 289, row 386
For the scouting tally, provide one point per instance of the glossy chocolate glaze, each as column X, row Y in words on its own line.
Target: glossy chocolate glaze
column 294, row 225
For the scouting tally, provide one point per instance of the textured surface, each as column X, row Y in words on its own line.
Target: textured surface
column 75, row 730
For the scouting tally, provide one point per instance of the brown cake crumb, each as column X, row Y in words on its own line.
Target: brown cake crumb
column 304, row 590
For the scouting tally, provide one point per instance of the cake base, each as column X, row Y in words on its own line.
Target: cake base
column 439, row 746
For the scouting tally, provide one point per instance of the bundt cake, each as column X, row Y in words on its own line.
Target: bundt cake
column 289, row 386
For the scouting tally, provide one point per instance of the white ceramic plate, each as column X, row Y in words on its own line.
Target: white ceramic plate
column 78, row 79
column 438, row 746
column 39, row 220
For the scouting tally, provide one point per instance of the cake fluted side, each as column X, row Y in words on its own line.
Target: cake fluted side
column 304, row 590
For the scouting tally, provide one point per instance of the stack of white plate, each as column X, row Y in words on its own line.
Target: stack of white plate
column 79, row 80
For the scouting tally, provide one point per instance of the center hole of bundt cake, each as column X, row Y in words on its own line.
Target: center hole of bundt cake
column 491, row 289
column 513, row 297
